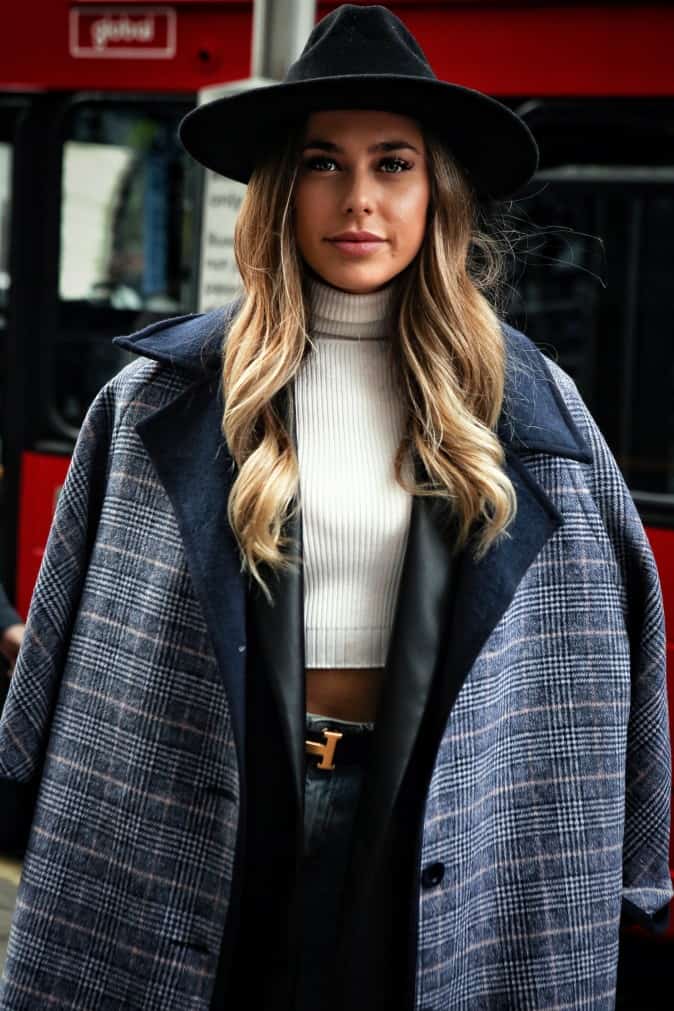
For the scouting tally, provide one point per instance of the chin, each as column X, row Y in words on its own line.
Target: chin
column 354, row 284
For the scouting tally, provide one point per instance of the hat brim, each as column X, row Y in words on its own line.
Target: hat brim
column 491, row 143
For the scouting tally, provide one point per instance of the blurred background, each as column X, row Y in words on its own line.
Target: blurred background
column 106, row 225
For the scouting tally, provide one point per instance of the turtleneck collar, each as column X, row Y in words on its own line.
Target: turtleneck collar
column 337, row 313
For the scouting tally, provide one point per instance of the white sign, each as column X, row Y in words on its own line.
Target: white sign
column 123, row 33
column 219, row 278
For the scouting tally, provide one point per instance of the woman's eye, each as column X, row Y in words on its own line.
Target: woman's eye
column 394, row 165
column 400, row 164
column 316, row 162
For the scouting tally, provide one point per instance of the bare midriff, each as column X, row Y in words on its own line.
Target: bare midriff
column 345, row 693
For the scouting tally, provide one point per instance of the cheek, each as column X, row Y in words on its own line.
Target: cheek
column 411, row 214
column 308, row 212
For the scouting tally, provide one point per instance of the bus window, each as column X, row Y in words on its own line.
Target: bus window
column 558, row 298
column 649, row 435
column 9, row 111
column 123, row 240
column 594, row 292
column 126, row 255
column 5, row 187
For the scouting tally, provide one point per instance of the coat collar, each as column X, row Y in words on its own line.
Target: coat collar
column 534, row 418
column 448, row 603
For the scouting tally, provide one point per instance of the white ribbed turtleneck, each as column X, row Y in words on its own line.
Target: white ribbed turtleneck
column 350, row 419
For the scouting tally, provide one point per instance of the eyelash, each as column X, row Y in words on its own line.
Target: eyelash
column 405, row 165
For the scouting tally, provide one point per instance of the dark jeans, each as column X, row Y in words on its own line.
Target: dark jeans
column 330, row 802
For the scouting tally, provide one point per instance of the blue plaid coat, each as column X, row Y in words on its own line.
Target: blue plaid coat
column 546, row 809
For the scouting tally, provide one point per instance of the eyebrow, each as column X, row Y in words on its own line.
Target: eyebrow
column 383, row 145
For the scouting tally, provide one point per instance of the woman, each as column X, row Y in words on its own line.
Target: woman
column 477, row 611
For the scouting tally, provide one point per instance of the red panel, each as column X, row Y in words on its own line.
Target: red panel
column 670, row 688
column 212, row 43
column 41, row 480
column 563, row 49
column 173, row 3
column 508, row 49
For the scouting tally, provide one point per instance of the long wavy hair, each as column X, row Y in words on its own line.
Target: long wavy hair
column 448, row 354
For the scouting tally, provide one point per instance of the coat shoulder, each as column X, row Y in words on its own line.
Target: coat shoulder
column 532, row 369
column 581, row 414
column 563, row 380
column 142, row 384
column 526, row 358
column 192, row 343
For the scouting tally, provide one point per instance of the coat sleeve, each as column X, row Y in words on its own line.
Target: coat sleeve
column 26, row 717
column 647, row 885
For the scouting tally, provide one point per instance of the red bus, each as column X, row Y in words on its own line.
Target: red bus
column 99, row 216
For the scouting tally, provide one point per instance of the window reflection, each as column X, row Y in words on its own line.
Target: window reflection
column 123, row 243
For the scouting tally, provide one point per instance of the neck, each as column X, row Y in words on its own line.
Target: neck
column 338, row 313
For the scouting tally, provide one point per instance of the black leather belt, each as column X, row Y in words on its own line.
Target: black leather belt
column 333, row 748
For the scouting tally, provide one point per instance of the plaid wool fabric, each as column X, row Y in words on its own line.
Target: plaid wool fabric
column 127, row 875
column 548, row 805
column 550, row 799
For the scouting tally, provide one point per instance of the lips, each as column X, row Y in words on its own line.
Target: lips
column 357, row 243
column 360, row 248
column 356, row 237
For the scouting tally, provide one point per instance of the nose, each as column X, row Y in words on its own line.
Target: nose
column 357, row 197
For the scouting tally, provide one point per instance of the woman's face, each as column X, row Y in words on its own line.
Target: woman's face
column 360, row 171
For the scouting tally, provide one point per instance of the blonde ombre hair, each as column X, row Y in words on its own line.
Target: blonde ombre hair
column 449, row 358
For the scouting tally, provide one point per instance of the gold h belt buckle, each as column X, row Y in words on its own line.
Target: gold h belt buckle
column 326, row 751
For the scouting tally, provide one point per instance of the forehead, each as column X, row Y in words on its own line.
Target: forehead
column 360, row 125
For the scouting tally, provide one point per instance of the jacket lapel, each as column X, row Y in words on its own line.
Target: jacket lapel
column 448, row 605
column 279, row 635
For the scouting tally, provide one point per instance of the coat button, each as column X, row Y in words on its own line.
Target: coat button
column 432, row 875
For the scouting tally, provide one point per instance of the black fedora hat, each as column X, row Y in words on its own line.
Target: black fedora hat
column 363, row 57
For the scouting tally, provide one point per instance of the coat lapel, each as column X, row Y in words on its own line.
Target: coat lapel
column 187, row 448
column 184, row 442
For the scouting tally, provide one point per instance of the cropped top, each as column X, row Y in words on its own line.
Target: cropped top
column 355, row 516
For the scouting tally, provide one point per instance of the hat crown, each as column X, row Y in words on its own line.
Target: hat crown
column 362, row 41
column 363, row 57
